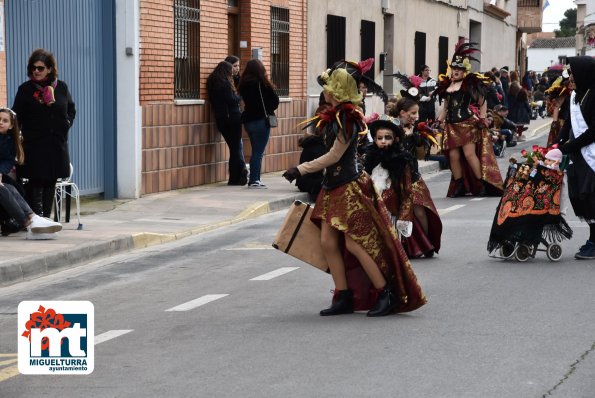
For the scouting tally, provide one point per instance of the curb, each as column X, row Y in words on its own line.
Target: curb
column 33, row 267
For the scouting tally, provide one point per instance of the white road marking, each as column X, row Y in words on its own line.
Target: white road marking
column 477, row 199
column 250, row 248
column 274, row 274
column 111, row 334
column 197, row 302
column 449, row 209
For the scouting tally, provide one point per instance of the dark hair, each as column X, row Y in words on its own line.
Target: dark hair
column 48, row 60
column 421, row 68
column 522, row 95
column 15, row 131
column 404, row 104
column 232, row 59
column 255, row 72
column 220, row 75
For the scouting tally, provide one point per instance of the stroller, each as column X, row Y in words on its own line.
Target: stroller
column 529, row 214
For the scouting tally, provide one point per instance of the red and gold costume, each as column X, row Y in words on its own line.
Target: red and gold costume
column 464, row 127
column 349, row 203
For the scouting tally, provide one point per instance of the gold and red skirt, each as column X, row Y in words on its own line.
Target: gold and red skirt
column 420, row 243
column 356, row 210
column 462, row 133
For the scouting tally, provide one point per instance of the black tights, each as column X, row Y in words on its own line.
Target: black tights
column 40, row 196
column 592, row 232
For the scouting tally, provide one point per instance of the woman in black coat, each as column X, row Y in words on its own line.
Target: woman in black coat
column 225, row 102
column 581, row 148
column 45, row 111
column 260, row 100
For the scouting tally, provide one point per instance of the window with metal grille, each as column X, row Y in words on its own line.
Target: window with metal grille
column 528, row 3
column 420, row 50
column 442, row 54
column 368, row 43
column 335, row 39
column 186, row 49
column 280, row 50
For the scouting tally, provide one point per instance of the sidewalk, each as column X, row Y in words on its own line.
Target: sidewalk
column 115, row 226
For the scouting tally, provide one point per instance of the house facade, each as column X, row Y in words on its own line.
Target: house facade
column 543, row 53
column 137, row 70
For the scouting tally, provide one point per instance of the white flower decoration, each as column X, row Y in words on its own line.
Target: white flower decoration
column 413, row 91
column 325, row 75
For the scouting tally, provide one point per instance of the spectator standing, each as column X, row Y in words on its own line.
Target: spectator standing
column 427, row 103
column 260, row 100
column 225, row 103
column 505, row 81
column 45, row 112
column 235, row 71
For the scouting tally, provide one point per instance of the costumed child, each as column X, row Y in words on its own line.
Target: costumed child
column 427, row 226
column 369, row 267
column 466, row 140
column 11, row 201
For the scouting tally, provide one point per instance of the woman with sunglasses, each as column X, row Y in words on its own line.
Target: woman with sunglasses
column 45, row 111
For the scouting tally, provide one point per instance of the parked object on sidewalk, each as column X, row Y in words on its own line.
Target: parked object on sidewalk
column 46, row 112
column 66, row 189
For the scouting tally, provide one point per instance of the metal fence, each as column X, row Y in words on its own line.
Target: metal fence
column 187, row 49
column 280, row 50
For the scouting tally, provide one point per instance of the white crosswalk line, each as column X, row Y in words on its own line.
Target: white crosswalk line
column 274, row 274
column 197, row 302
column 449, row 209
column 477, row 199
column 111, row 334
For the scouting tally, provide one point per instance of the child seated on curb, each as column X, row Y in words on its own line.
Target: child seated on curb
column 11, row 201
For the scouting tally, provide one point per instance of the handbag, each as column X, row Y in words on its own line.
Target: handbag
column 300, row 237
column 271, row 120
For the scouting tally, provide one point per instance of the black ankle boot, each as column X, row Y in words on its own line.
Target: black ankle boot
column 342, row 304
column 484, row 188
column 459, row 188
column 386, row 303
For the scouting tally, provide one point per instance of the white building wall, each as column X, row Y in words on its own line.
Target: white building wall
column 498, row 40
column 354, row 11
column 539, row 59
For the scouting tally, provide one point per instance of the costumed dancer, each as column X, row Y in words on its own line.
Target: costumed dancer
column 427, row 226
column 581, row 148
column 559, row 106
column 395, row 174
column 369, row 267
column 466, row 139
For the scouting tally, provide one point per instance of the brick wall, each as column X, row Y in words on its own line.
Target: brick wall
column 181, row 146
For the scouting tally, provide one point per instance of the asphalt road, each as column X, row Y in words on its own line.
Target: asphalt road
column 491, row 328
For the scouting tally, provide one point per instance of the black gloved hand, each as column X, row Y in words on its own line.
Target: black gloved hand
column 291, row 174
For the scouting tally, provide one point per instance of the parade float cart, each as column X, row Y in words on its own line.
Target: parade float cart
column 528, row 218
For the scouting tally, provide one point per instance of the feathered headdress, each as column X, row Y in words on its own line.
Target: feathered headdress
column 357, row 70
column 462, row 55
column 410, row 85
